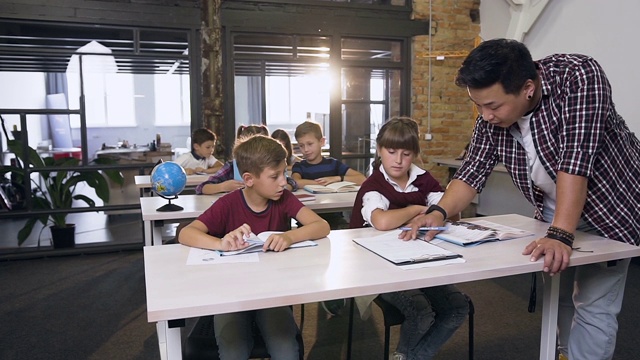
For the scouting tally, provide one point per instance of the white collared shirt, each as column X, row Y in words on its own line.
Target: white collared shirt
column 373, row 200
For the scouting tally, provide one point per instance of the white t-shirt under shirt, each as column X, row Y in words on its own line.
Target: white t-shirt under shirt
column 538, row 175
column 187, row 161
column 375, row 200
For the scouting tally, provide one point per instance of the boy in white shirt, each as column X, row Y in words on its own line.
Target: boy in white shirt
column 200, row 159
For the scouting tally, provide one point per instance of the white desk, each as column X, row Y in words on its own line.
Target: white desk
column 338, row 268
column 194, row 205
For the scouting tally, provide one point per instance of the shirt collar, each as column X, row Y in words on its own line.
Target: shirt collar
column 414, row 172
column 196, row 156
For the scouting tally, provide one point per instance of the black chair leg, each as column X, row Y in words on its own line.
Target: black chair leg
column 387, row 340
column 350, row 335
column 472, row 311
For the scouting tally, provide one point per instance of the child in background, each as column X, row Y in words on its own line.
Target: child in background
column 316, row 169
column 285, row 140
column 200, row 159
column 223, row 180
column 396, row 192
column 262, row 205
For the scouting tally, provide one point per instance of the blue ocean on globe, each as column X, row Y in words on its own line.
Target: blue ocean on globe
column 168, row 179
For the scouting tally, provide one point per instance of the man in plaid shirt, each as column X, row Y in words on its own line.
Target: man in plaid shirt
column 553, row 124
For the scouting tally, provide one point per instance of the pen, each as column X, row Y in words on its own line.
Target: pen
column 425, row 228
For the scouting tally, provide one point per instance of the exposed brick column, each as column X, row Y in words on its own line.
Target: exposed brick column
column 212, row 102
column 455, row 26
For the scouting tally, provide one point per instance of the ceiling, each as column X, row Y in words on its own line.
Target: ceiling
column 48, row 47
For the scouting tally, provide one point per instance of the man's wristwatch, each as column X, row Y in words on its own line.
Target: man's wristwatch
column 437, row 208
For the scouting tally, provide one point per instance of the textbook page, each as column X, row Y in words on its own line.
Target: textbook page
column 465, row 233
column 336, row 187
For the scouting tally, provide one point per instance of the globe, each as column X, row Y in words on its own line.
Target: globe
column 168, row 179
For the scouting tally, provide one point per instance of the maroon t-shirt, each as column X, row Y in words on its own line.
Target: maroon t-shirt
column 231, row 211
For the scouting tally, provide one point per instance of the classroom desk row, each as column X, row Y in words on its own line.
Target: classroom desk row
column 338, row 268
column 194, row 205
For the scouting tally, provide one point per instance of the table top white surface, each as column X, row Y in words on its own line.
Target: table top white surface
column 336, row 268
column 194, row 205
column 144, row 181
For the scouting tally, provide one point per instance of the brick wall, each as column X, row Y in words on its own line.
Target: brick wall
column 455, row 26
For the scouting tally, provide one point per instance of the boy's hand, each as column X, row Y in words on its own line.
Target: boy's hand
column 328, row 180
column 277, row 242
column 234, row 240
column 199, row 170
column 189, row 171
column 231, row 185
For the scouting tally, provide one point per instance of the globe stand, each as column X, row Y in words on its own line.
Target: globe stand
column 169, row 206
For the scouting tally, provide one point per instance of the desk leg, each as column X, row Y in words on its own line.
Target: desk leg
column 550, row 301
column 156, row 232
column 169, row 341
column 148, row 233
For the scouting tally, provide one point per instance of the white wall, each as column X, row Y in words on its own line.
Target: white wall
column 23, row 91
column 605, row 30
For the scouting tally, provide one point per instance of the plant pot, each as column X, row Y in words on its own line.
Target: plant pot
column 63, row 237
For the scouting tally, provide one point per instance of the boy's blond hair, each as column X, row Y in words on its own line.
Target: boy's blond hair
column 308, row 127
column 258, row 152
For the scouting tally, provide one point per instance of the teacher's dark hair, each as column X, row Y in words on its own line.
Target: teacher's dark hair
column 503, row 61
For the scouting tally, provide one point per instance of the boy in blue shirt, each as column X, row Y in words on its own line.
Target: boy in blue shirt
column 316, row 169
column 262, row 205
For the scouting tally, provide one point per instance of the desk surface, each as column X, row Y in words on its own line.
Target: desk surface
column 194, row 205
column 144, row 181
column 336, row 268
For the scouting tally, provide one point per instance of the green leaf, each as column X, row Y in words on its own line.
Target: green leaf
column 86, row 199
column 24, row 233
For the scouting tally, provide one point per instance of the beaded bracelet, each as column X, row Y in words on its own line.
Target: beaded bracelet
column 561, row 235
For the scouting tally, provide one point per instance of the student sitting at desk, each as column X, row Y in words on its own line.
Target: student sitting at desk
column 396, row 192
column 223, row 180
column 262, row 205
column 200, row 159
column 285, row 140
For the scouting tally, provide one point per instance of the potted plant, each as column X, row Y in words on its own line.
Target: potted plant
column 56, row 190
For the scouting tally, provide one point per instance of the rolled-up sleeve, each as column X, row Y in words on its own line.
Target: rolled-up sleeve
column 371, row 201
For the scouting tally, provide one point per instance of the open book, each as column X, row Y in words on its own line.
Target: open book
column 336, row 187
column 257, row 241
column 465, row 233
column 400, row 252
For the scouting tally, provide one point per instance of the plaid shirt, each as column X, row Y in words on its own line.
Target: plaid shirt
column 226, row 173
column 577, row 130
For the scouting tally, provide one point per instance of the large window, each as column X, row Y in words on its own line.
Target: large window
column 282, row 80
column 111, row 100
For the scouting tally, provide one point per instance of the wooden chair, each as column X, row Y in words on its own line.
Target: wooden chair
column 201, row 341
column 392, row 316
